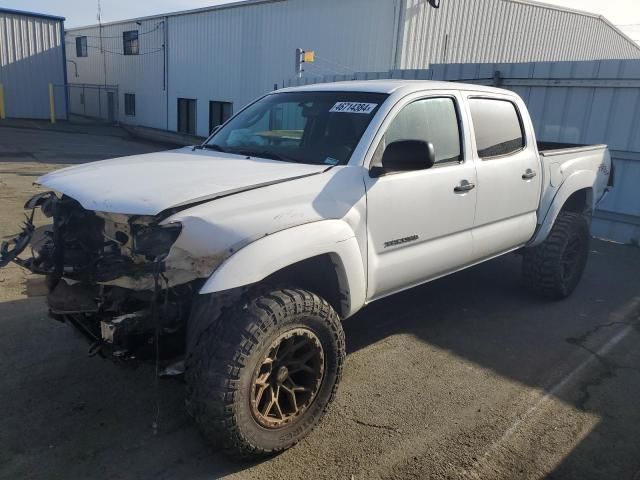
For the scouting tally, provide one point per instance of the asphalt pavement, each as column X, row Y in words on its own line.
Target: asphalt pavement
column 466, row 377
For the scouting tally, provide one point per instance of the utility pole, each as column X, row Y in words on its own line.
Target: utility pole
column 299, row 63
column 164, row 53
column 104, row 58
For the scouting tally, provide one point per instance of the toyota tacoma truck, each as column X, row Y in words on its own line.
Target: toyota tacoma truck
column 236, row 261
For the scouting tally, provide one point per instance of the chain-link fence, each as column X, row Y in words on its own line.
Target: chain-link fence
column 88, row 102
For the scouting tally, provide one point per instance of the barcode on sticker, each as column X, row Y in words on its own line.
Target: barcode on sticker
column 353, row 107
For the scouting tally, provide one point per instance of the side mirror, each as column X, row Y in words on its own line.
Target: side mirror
column 405, row 156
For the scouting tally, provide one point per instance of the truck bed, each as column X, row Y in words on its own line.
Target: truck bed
column 561, row 160
column 557, row 148
column 553, row 149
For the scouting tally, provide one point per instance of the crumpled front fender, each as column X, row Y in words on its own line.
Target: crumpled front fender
column 265, row 256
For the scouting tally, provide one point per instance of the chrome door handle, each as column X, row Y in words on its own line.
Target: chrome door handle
column 529, row 174
column 464, row 187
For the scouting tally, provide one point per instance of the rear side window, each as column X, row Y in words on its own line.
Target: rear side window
column 497, row 127
column 432, row 120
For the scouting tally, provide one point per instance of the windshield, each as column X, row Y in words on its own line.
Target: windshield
column 305, row 127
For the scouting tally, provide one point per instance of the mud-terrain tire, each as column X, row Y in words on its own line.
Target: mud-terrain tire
column 554, row 268
column 263, row 340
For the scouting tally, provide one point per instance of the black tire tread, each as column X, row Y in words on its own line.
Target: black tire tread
column 540, row 264
column 213, row 370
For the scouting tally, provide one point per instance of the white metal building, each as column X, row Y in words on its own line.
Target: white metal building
column 31, row 57
column 187, row 71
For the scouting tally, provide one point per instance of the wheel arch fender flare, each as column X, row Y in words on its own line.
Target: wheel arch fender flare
column 272, row 253
column 580, row 180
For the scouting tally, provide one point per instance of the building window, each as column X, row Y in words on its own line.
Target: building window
column 130, row 104
column 130, row 42
column 187, row 115
column 497, row 127
column 81, row 46
column 219, row 112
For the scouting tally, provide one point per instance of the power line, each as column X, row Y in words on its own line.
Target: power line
column 113, row 52
column 116, row 36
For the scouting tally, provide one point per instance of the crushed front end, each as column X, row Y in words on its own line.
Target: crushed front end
column 106, row 274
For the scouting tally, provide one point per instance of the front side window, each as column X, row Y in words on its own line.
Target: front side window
column 497, row 127
column 433, row 120
column 304, row 127
column 130, row 42
column 81, row 46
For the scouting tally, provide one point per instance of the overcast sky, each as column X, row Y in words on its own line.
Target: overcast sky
column 83, row 12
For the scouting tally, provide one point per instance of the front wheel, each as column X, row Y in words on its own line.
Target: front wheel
column 554, row 268
column 261, row 378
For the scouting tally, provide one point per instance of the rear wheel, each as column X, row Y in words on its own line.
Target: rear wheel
column 262, row 377
column 554, row 268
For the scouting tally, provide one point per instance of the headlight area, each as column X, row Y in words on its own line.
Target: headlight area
column 155, row 241
column 106, row 275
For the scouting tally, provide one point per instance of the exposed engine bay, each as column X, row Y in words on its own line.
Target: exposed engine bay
column 107, row 275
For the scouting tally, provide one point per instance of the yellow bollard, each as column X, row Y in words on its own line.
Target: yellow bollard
column 52, row 104
column 2, row 114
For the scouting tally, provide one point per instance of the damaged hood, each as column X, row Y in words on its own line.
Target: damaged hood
column 149, row 184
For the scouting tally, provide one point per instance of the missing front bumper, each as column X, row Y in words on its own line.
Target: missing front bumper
column 88, row 259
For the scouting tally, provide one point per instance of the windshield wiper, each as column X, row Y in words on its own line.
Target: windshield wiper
column 265, row 154
column 248, row 153
column 210, row 146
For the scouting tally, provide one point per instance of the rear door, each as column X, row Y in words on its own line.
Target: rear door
column 509, row 176
column 419, row 222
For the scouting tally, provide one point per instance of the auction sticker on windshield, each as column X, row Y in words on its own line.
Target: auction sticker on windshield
column 353, row 107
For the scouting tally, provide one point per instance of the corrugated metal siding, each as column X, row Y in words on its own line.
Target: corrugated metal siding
column 140, row 74
column 31, row 57
column 582, row 102
column 588, row 102
column 235, row 54
column 239, row 54
column 483, row 31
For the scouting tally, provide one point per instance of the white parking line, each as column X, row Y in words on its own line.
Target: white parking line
column 554, row 391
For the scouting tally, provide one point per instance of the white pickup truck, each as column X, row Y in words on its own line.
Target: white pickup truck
column 243, row 255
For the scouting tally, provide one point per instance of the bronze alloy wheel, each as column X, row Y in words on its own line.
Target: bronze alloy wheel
column 263, row 375
column 286, row 382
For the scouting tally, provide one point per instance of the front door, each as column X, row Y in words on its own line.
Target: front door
column 419, row 222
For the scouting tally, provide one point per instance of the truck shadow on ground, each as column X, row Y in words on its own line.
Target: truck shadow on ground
column 78, row 417
column 486, row 317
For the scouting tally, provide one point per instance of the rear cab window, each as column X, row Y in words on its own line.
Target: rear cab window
column 497, row 127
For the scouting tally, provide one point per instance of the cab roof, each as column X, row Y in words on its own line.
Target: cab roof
column 392, row 86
